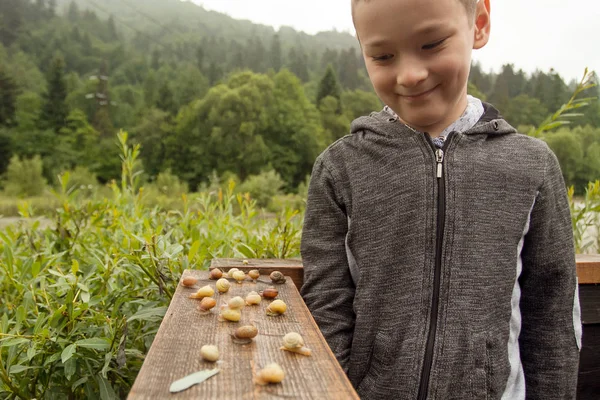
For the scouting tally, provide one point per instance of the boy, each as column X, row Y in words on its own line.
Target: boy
column 437, row 242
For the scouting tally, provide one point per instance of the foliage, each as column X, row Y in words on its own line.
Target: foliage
column 262, row 187
column 329, row 86
column 585, row 218
column 82, row 298
column 23, row 177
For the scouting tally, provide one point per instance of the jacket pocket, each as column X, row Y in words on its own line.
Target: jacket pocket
column 379, row 365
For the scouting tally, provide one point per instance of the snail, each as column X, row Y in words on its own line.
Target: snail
column 223, row 285
column 231, row 315
column 236, row 303
column 204, row 291
column 245, row 262
column 269, row 293
column 254, row 274
column 209, row 353
column 293, row 342
column 244, row 334
column 207, row 304
column 272, row 373
column 215, row 274
column 277, row 277
column 277, row 307
column 239, row 276
column 253, row 298
column 189, row 281
column 231, row 272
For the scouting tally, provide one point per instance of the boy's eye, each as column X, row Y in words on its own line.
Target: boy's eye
column 382, row 57
column 433, row 45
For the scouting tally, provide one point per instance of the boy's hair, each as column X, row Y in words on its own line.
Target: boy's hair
column 470, row 6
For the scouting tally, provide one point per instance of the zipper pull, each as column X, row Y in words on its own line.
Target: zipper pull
column 439, row 158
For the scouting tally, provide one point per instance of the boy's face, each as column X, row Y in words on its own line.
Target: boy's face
column 418, row 56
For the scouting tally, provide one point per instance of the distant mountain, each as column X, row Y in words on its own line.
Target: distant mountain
column 178, row 20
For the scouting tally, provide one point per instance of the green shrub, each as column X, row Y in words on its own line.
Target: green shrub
column 263, row 187
column 82, row 299
column 169, row 184
column 24, row 178
column 82, row 180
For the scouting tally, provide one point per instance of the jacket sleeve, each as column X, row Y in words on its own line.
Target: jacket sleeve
column 328, row 289
column 551, row 328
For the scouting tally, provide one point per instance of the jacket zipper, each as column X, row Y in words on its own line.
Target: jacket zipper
column 433, row 316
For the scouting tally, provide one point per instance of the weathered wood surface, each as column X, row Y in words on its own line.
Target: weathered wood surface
column 588, row 268
column 289, row 267
column 175, row 352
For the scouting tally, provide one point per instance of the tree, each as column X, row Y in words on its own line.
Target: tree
column 165, row 100
column 8, row 96
column 6, row 150
column 55, row 109
column 297, row 63
column 10, row 20
column 73, row 12
column 329, row 86
column 275, row 53
column 524, row 110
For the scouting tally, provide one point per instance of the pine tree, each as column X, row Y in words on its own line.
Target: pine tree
column 55, row 109
column 73, row 12
column 10, row 20
column 8, row 96
column 112, row 29
column 276, row 57
column 165, row 100
column 329, row 86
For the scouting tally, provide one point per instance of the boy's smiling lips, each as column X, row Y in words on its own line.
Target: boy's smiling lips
column 418, row 96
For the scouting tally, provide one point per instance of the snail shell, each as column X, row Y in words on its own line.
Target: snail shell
column 231, row 271
column 277, row 307
column 269, row 293
column 207, row 304
column 223, row 285
column 216, row 274
column 272, row 373
column 239, row 276
column 189, row 281
column 227, row 314
column 209, row 352
column 277, row 277
column 293, row 340
column 204, row 291
column 253, row 298
column 254, row 274
column 236, row 303
column 244, row 334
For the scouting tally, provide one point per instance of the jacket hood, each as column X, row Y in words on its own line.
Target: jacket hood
column 490, row 123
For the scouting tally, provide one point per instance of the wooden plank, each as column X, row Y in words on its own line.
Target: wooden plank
column 174, row 353
column 588, row 268
column 289, row 267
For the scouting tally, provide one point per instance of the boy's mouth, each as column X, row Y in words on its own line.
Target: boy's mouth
column 418, row 96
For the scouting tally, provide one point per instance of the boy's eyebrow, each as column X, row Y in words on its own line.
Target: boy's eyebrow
column 424, row 30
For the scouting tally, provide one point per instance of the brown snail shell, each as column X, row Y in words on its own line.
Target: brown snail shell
column 245, row 334
column 277, row 277
column 269, row 293
column 189, row 281
column 254, row 274
column 207, row 304
column 215, row 274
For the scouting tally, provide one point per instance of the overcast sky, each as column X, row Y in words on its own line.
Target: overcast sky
column 531, row 34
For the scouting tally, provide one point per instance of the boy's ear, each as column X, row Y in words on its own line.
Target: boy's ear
column 482, row 24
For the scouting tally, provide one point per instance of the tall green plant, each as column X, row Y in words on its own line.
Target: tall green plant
column 585, row 218
column 81, row 300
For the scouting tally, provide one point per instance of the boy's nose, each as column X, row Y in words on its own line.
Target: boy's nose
column 410, row 73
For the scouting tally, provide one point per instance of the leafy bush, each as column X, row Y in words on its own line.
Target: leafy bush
column 82, row 180
column 263, row 187
column 24, row 178
column 585, row 217
column 169, row 184
column 81, row 300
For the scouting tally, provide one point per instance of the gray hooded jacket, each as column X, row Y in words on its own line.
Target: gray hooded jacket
column 443, row 274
